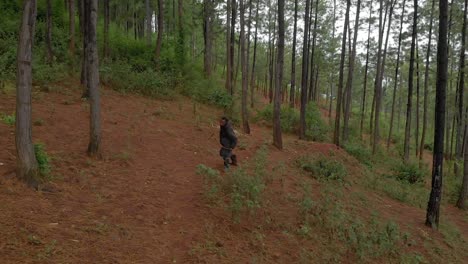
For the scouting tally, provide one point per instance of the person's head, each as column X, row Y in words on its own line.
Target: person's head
column 223, row 121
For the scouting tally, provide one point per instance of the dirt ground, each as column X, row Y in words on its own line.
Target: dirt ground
column 143, row 202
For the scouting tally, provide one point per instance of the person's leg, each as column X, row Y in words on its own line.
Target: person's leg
column 234, row 160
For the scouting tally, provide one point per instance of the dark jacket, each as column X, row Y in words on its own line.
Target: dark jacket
column 227, row 138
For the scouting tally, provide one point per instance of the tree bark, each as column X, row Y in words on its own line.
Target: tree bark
column 305, row 71
column 311, row 94
column 293, row 59
column 252, row 78
column 228, row 49
column 461, row 88
column 71, row 13
column 106, row 28
column 330, row 107
column 26, row 162
column 426, row 84
column 244, row 62
column 410, row 84
column 397, row 71
column 92, row 61
column 149, row 18
column 364, row 93
column 232, row 41
column 48, row 37
column 160, row 29
column 277, row 137
column 433, row 207
column 417, row 100
column 207, row 36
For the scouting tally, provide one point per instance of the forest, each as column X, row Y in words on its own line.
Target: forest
column 351, row 117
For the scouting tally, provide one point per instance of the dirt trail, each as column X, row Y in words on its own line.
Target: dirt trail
column 143, row 202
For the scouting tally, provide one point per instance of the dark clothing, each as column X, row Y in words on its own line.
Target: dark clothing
column 228, row 141
column 227, row 138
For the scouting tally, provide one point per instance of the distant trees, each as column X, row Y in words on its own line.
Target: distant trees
column 27, row 166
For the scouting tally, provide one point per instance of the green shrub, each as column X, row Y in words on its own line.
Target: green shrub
column 316, row 129
column 8, row 119
column 43, row 161
column 360, row 152
column 324, row 168
column 410, row 173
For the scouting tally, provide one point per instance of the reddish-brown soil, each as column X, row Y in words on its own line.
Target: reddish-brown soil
column 143, row 202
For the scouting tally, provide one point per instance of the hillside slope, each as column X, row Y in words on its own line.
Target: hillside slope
column 143, row 202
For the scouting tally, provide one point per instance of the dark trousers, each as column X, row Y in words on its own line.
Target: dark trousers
column 226, row 154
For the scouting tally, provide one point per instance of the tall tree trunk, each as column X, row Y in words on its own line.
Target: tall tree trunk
column 397, row 71
column 180, row 46
column 277, row 138
column 410, row 84
column 336, row 135
column 106, row 28
column 252, row 78
column 426, row 84
column 208, row 38
column 461, row 86
column 48, row 37
column 71, row 13
column 244, row 62
column 27, row 168
column 92, row 61
column 433, row 207
column 364, row 92
column 149, row 24
column 330, row 107
column 228, row 49
column 293, row 59
column 160, row 29
column 349, row 83
column 378, row 83
column 231, row 44
column 84, row 65
column 461, row 202
column 311, row 93
column 417, row 99
column 247, row 66
column 305, row 71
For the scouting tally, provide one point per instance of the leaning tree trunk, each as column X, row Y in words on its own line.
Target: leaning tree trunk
column 336, row 135
column 277, row 138
column 433, row 206
column 410, row 84
column 26, row 162
column 160, row 29
column 397, row 71
column 245, row 116
column 305, row 71
column 349, row 83
column 293, row 59
column 92, row 62
column 48, row 37
column 426, row 84
column 71, row 13
column 364, row 92
column 461, row 88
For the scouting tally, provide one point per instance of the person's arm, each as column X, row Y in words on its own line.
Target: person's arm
column 232, row 137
